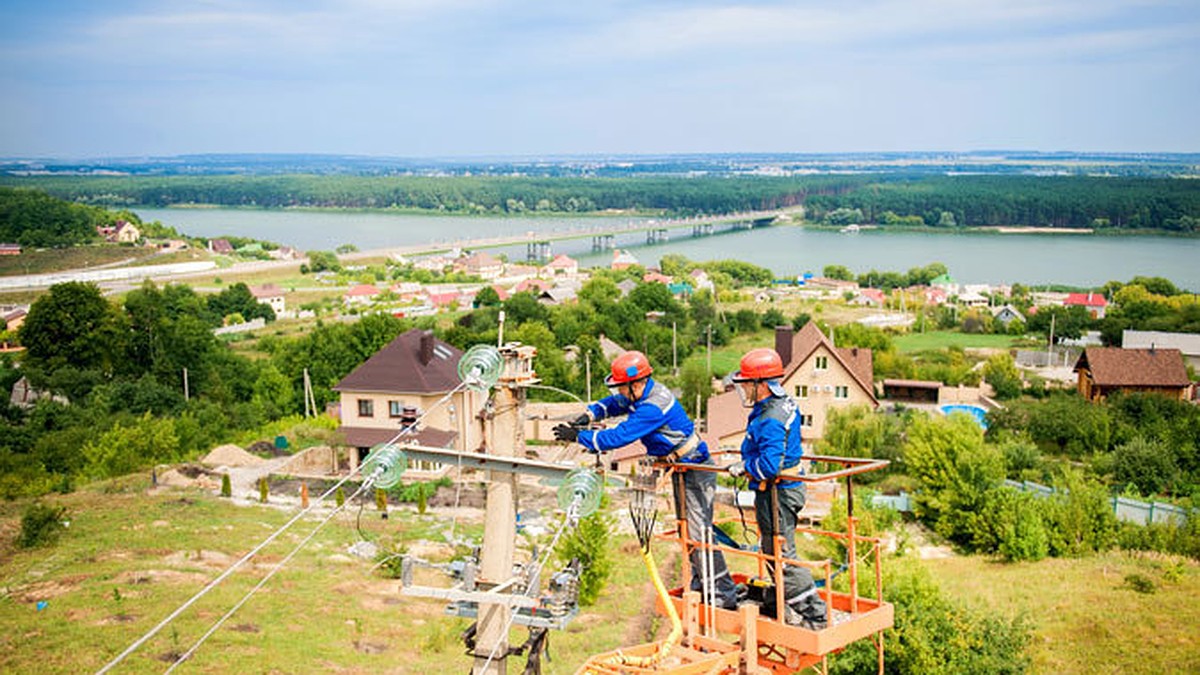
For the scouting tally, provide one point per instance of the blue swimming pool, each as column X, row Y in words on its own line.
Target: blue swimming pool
column 975, row 411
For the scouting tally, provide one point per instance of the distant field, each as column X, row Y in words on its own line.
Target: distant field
column 937, row 340
column 57, row 260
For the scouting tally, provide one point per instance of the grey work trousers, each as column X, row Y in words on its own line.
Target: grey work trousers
column 699, row 488
column 799, row 591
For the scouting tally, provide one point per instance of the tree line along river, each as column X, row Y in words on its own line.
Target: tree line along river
column 1036, row 259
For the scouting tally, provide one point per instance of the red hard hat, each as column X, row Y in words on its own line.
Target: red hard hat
column 628, row 367
column 759, row 364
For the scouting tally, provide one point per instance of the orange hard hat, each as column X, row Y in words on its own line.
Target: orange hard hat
column 759, row 364
column 628, row 367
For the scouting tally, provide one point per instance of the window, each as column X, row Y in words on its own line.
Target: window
column 822, row 363
column 366, row 407
column 841, row 392
column 395, row 408
column 806, row 420
column 802, row 391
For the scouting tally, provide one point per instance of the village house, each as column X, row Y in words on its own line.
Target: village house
column 1187, row 343
column 622, row 260
column 270, row 295
column 557, row 295
column 562, row 265
column 972, row 299
column 626, row 286
column 284, row 253
column 817, row 374
column 10, row 249
column 1006, row 314
column 1104, row 371
column 13, row 318
column 701, row 280
column 870, row 297
column 482, row 264
column 535, row 286
column 1093, row 302
column 360, row 295
column 517, row 272
column 220, row 246
column 656, row 277
column 403, row 380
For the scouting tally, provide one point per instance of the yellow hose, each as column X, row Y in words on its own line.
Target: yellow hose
column 676, row 625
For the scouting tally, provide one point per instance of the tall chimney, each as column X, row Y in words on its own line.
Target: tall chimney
column 426, row 351
column 783, row 344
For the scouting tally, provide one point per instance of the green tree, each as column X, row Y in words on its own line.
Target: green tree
column 127, row 448
column 590, row 543
column 839, row 272
column 72, row 325
column 1001, row 372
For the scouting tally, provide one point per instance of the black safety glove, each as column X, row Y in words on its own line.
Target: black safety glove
column 566, row 432
column 582, row 421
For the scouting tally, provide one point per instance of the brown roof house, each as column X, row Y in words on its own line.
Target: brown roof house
column 1107, row 370
column 402, row 381
column 817, row 374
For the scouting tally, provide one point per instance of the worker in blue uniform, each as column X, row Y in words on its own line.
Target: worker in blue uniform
column 771, row 452
column 655, row 418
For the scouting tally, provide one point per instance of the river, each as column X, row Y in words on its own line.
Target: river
column 1034, row 259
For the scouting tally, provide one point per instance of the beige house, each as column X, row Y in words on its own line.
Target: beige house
column 401, row 382
column 817, row 374
column 270, row 295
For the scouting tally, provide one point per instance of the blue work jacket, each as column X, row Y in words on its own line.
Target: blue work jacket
column 772, row 440
column 656, row 419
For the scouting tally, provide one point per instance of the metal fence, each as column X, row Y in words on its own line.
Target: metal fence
column 1128, row 510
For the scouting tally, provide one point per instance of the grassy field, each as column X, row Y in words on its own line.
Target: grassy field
column 77, row 257
column 938, row 340
column 130, row 557
column 1088, row 618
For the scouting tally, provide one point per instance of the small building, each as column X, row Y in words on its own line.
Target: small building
column 220, row 247
column 270, row 295
column 972, row 299
column 362, row 294
column 871, row 297
column 701, row 280
column 622, row 260
column 127, row 232
column 557, row 296
column 1006, row 314
column 626, row 286
column 13, row 319
column 10, row 249
column 562, row 265
column 1104, row 371
column 913, row 391
column 412, row 372
column 656, row 277
column 1187, row 343
column 535, row 286
column 284, row 253
column 482, row 264
column 1093, row 302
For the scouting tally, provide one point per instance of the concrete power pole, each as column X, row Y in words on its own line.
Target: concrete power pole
column 500, row 528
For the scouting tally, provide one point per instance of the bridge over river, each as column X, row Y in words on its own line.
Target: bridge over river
column 604, row 237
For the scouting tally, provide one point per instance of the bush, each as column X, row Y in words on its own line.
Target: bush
column 1012, row 526
column 935, row 635
column 226, row 486
column 589, row 543
column 41, row 525
column 1079, row 517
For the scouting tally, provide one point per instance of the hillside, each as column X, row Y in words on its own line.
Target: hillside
column 132, row 555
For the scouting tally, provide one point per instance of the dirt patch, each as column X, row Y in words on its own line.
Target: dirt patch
column 117, row 619
column 159, row 576
column 369, row 647
column 44, row 590
column 245, row 628
column 207, row 559
column 230, row 455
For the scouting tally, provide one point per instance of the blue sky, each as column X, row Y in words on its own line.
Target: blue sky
column 471, row 78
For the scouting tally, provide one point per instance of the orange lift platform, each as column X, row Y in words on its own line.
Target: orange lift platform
column 708, row 639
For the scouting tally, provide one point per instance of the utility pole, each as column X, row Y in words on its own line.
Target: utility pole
column 186, row 395
column 709, row 348
column 500, row 528
column 1050, row 345
column 674, row 352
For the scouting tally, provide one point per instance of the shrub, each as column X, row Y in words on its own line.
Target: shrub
column 1148, row 464
column 1079, row 517
column 589, row 543
column 41, row 525
column 263, row 489
column 933, row 634
column 226, row 486
column 1012, row 526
